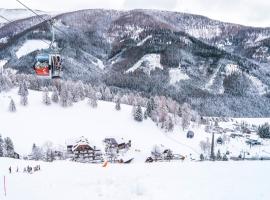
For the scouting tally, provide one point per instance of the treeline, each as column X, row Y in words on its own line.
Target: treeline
column 164, row 111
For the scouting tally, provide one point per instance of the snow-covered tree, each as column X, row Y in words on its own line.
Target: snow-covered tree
column 46, row 99
column 36, row 152
column 205, row 146
column 117, row 105
column 5, row 82
column 55, row 96
column 138, row 115
column 24, row 100
column 80, row 90
column 1, row 146
column 168, row 124
column 149, row 108
column 93, row 102
column 186, row 115
column 12, row 106
column 107, row 94
column 8, row 147
column 64, row 96
column 23, row 90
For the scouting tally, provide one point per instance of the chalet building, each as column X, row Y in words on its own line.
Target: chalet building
column 118, row 143
column 82, row 150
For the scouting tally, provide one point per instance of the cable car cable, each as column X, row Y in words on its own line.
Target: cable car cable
column 45, row 20
column 14, row 21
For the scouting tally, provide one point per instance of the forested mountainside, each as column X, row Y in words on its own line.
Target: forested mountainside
column 221, row 69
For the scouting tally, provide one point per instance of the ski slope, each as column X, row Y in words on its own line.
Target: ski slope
column 156, row 181
column 38, row 123
column 32, row 45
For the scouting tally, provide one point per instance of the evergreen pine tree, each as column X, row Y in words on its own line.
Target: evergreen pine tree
column 36, row 152
column 12, row 107
column 9, row 147
column 149, row 108
column 138, row 116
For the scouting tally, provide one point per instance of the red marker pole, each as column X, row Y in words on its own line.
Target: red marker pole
column 5, row 190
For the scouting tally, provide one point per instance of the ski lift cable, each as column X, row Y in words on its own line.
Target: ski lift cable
column 1, row 16
column 42, row 18
column 6, row 19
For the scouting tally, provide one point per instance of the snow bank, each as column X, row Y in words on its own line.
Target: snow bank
column 30, row 46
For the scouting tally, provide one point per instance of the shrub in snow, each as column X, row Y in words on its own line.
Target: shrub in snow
column 12, row 107
column 264, row 131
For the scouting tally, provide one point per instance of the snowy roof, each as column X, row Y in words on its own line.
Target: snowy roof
column 118, row 140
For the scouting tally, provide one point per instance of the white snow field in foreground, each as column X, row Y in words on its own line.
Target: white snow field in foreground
column 156, row 181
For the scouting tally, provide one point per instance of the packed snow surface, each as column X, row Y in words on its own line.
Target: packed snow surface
column 32, row 45
column 177, row 75
column 158, row 181
column 147, row 63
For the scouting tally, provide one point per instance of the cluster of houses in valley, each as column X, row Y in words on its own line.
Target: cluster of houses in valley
column 81, row 150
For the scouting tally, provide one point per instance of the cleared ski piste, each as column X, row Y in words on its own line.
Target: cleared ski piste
column 157, row 181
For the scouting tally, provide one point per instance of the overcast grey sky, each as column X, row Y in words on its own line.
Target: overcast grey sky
column 247, row 12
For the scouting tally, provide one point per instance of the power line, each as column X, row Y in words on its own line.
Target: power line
column 42, row 18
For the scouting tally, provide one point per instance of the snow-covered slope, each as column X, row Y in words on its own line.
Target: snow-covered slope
column 159, row 181
column 147, row 63
column 177, row 75
column 32, row 45
column 38, row 123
